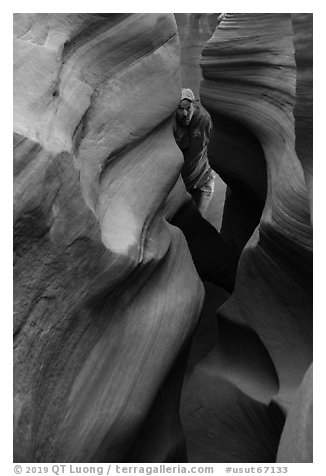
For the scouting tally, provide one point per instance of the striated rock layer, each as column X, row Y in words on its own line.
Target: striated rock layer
column 257, row 87
column 302, row 25
column 296, row 440
column 106, row 293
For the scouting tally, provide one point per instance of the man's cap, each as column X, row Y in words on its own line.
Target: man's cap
column 187, row 94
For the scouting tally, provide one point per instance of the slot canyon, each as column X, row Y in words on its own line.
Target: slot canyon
column 144, row 332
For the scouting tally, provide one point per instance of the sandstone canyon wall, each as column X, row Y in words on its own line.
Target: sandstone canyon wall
column 257, row 86
column 106, row 293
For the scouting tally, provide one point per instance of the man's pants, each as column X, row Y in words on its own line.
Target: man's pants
column 204, row 194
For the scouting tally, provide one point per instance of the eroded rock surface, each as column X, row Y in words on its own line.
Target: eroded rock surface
column 106, row 292
column 103, row 311
column 296, row 440
column 257, row 87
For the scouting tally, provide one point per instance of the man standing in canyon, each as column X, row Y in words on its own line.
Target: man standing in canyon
column 191, row 128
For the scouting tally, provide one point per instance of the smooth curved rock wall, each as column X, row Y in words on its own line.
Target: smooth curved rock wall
column 103, row 312
column 296, row 440
column 302, row 24
column 106, row 293
column 238, row 397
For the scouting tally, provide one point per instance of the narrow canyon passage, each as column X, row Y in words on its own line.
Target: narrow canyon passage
column 237, row 395
column 142, row 331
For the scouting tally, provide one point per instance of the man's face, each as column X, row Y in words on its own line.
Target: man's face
column 185, row 112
